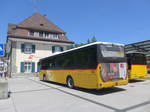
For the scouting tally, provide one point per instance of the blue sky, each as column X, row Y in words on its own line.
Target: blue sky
column 121, row 21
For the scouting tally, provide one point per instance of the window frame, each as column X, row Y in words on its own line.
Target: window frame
column 61, row 48
column 31, row 33
column 43, row 34
column 28, row 50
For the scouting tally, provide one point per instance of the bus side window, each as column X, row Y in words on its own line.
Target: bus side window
column 92, row 58
column 50, row 65
column 66, row 63
column 69, row 61
column 80, row 59
column 44, row 65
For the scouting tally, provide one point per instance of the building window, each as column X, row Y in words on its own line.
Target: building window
column 55, row 36
column 44, row 34
column 36, row 34
column 50, row 36
column 27, row 67
column 41, row 34
column 57, row 49
column 31, row 33
column 28, row 48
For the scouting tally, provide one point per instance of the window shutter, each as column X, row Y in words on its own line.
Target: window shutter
column 33, row 48
column 22, row 67
column 53, row 49
column 33, row 67
column 22, row 47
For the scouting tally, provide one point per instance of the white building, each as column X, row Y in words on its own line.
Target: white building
column 33, row 39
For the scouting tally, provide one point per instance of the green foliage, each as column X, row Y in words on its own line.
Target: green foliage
column 75, row 45
column 88, row 41
column 93, row 39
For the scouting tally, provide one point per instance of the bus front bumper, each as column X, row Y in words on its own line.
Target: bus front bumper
column 131, row 77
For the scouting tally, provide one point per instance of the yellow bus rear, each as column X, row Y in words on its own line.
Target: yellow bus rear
column 137, row 67
column 93, row 70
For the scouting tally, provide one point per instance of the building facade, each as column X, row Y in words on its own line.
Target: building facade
column 32, row 39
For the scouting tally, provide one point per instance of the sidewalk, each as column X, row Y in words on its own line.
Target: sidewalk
column 18, row 85
column 6, row 105
column 28, row 94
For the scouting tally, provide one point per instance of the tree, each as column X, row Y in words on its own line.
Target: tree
column 93, row 39
column 88, row 41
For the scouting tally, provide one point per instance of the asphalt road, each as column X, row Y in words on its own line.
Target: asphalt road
column 28, row 94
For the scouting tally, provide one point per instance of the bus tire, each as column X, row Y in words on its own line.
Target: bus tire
column 44, row 77
column 70, row 82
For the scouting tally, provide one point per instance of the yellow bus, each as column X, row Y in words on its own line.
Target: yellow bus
column 137, row 67
column 92, row 66
column 148, row 63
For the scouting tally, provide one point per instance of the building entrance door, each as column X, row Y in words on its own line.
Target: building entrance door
column 27, row 67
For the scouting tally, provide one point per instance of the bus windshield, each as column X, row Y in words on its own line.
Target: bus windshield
column 112, row 51
column 138, row 58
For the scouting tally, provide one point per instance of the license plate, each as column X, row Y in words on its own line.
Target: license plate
column 114, row 80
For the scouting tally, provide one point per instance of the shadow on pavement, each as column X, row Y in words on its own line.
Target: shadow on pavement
column 103, row 91
column 55, row 83
column 136, row 80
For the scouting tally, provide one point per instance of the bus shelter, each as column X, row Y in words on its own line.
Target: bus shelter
column 143, row 47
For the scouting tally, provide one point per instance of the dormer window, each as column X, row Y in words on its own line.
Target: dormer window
column 41, row 34
column 47, row 35
column 55, row 36
column 31, row 33
column 44, row 34
column 41, row 24
column 36, row 34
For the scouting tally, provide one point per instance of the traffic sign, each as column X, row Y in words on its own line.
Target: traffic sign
column 1, row 49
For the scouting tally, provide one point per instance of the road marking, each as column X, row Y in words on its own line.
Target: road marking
column 26, row 91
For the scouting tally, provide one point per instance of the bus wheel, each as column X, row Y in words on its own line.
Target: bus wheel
column 44, row 77
column 70, row 82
